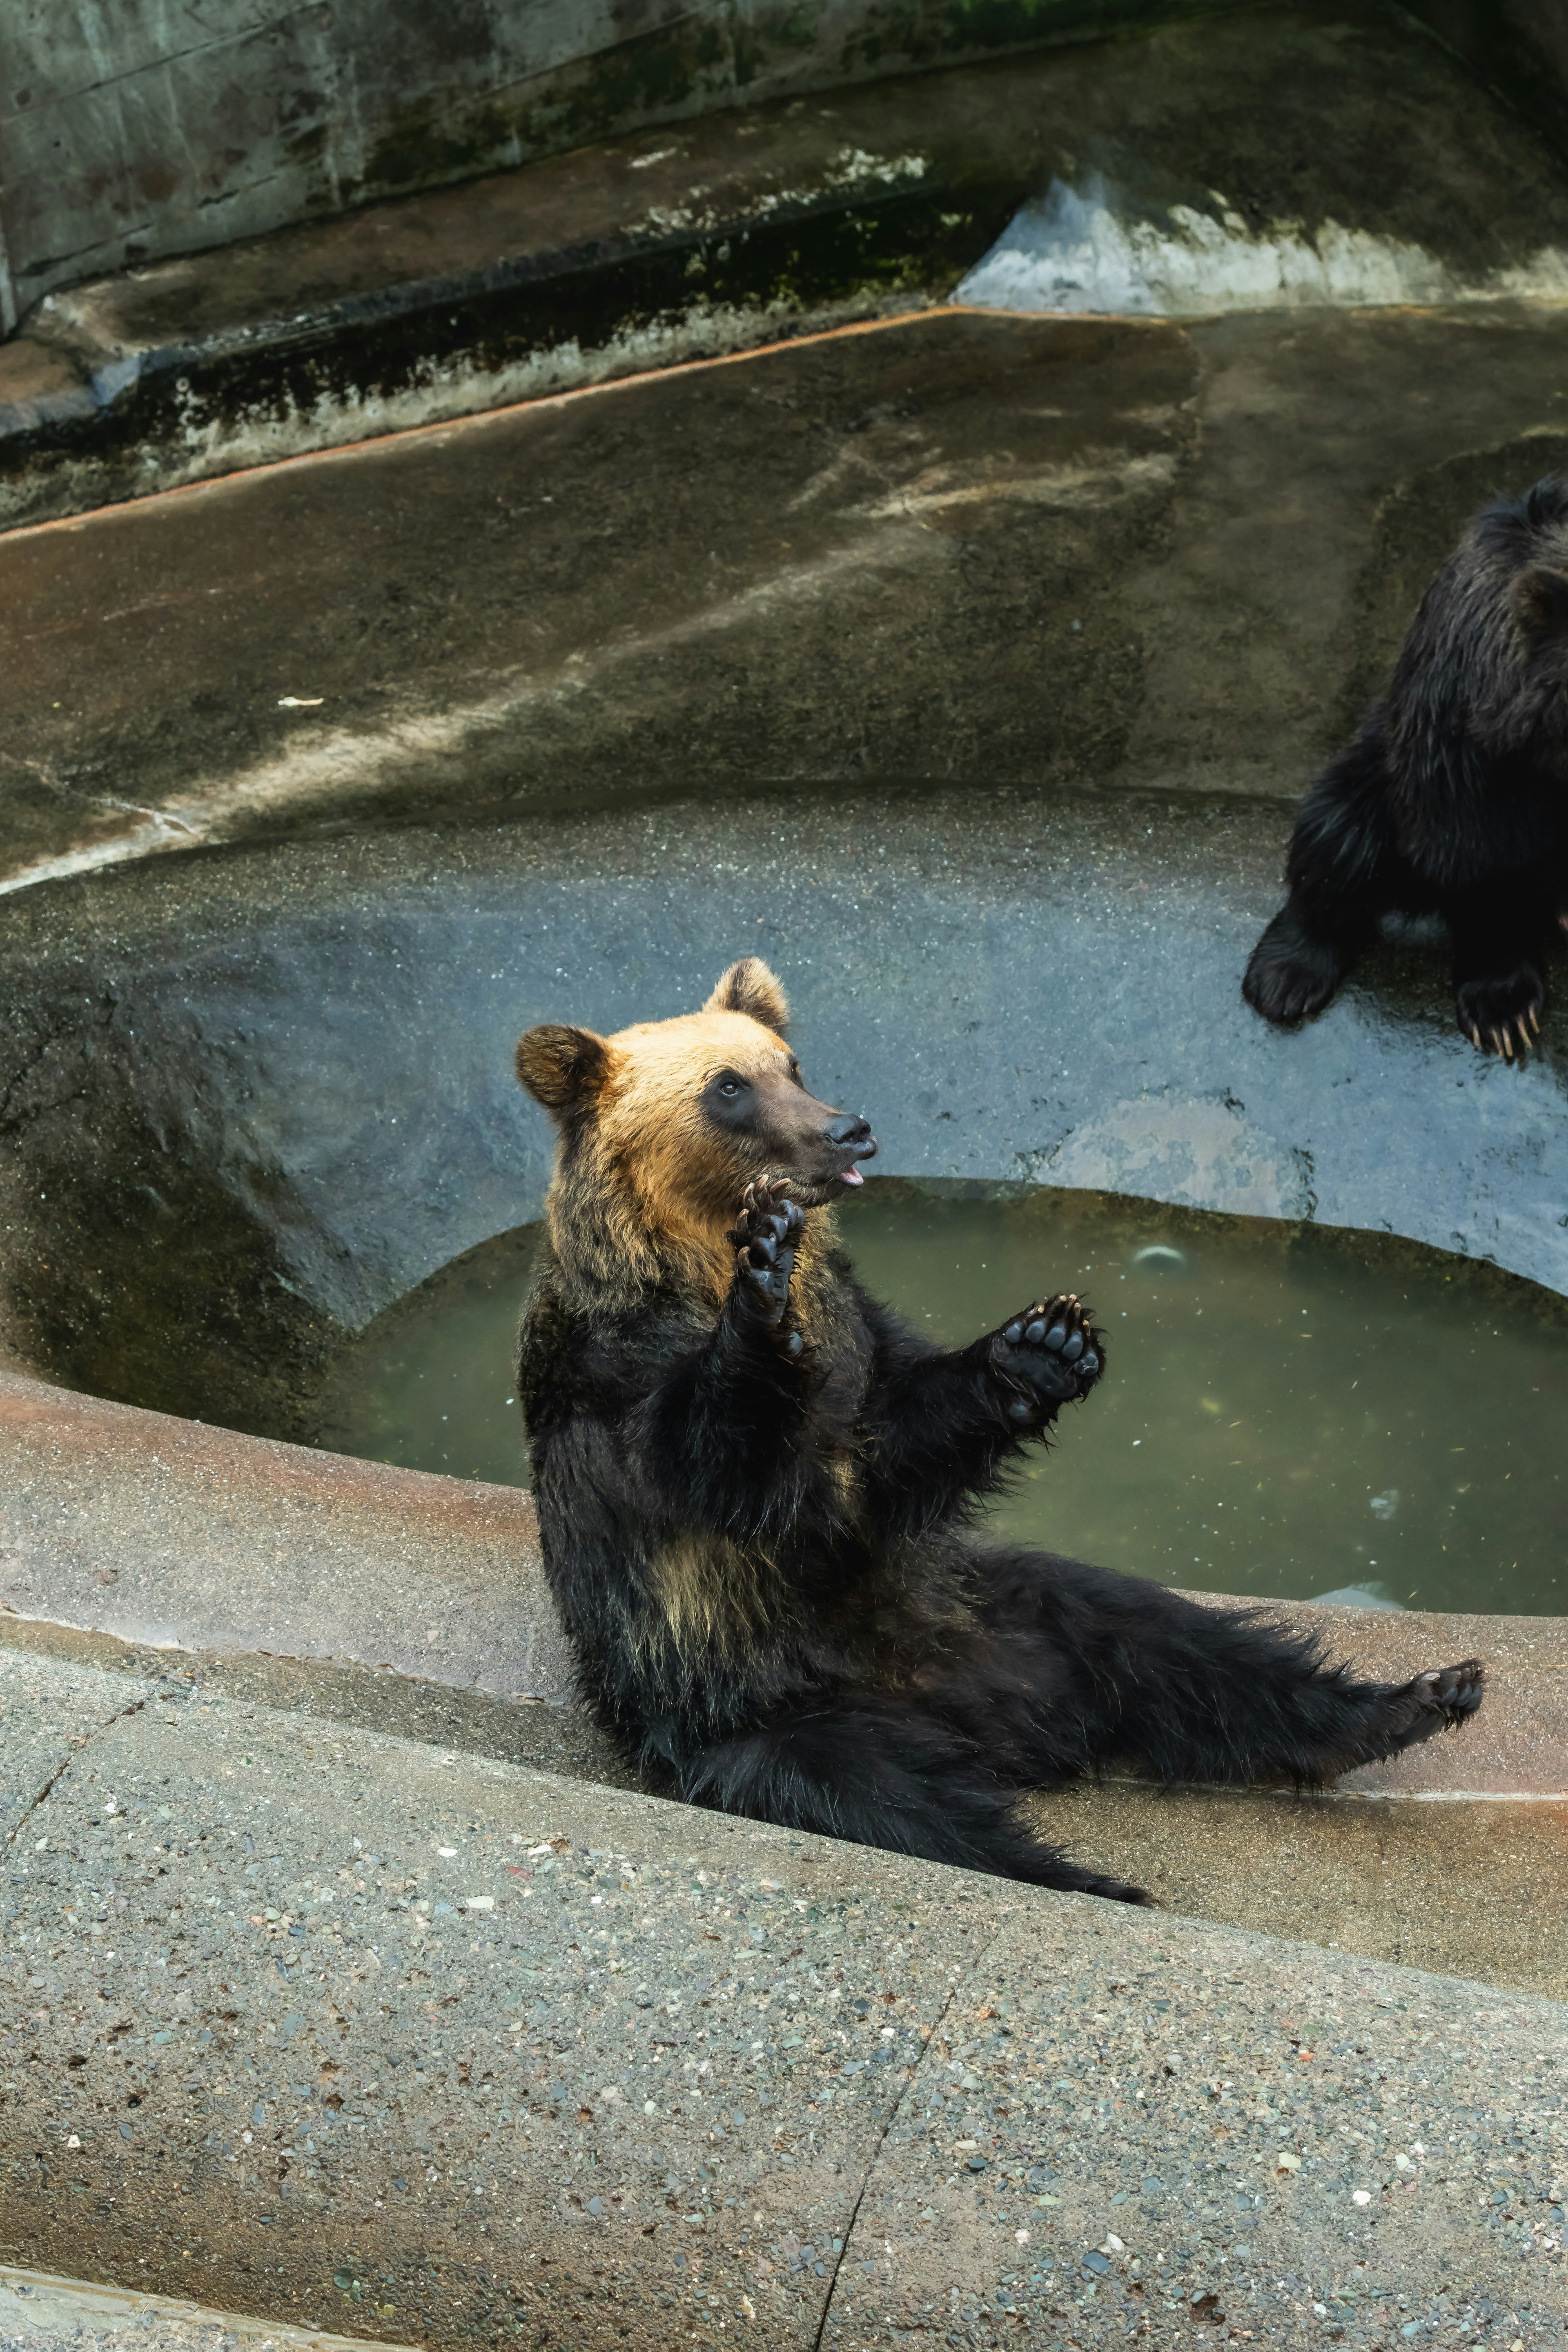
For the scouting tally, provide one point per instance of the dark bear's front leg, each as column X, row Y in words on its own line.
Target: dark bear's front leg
column 1500, row 932
column 765, row 1238
column 1343, row 870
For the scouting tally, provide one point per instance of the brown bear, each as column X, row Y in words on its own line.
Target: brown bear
column 757, row 1490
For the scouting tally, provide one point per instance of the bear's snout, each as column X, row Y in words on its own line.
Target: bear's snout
column 847, row 1132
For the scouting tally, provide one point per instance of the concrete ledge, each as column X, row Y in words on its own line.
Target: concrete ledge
column 326, row 2026
column 199, row 1562
column 38, row 2311
column 171, row 1533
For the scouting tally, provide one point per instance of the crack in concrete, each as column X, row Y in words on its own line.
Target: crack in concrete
column 79, row 1749
column 874, row 2159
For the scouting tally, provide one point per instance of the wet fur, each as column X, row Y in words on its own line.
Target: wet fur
column 765, row 1561
column 1452, row 798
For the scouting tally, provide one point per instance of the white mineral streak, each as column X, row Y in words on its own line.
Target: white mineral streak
column 1068, row 251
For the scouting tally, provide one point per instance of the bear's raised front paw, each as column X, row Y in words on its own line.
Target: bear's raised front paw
column 764, row 1238
column 1052, row 1353
column 1502, row 1014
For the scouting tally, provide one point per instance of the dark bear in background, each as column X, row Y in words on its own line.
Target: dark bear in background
column 755, row 1487
column 1454, row 797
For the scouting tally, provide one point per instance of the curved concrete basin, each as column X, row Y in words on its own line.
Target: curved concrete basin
column 280, row 1079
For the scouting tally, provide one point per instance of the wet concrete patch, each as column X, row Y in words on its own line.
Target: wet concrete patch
column 1193, row 168
column 962, row 549
column 556, row 604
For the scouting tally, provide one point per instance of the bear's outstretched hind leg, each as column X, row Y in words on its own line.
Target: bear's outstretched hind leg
column 882, row 1776
column 1243, row 1700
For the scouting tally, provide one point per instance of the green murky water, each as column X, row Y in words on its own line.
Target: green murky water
column 1286, row 1410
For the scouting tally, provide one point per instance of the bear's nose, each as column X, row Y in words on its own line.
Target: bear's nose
column 851, row 1133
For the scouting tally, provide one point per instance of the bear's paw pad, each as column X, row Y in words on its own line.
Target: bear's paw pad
column 1054, row 1349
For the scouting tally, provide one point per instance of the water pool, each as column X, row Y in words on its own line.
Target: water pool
column 1287, row 1410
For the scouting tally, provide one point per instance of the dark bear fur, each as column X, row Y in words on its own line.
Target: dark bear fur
column 756, row 1485
column 1452, row 798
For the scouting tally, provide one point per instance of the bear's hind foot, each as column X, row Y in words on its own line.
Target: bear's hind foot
column 1051, row 1353
column 1442, row 1699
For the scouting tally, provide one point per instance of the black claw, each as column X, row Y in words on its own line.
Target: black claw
column 1056, row 1338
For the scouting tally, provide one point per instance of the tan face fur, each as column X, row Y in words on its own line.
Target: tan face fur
column 674, row 1118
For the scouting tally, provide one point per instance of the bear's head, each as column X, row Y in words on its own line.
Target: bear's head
column 663, row 1125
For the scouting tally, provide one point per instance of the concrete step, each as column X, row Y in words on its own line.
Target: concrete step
column 319, row 2024
column 247, row 1572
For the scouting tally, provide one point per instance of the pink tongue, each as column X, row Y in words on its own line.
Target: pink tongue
column 853, row 1176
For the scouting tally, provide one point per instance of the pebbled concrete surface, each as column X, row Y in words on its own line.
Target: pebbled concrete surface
column 317, row 2048
column 40, row 2314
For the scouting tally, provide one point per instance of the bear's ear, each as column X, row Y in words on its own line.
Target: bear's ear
column 750, row 987
column 1539, row 598
column 561, row 1068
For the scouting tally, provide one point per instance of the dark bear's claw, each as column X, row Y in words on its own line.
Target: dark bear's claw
column 1052, row 1354
column 765, row 1240
column 1502, row 1015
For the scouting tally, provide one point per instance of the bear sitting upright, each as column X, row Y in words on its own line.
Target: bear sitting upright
column 755, row 1487
column 1454, row 797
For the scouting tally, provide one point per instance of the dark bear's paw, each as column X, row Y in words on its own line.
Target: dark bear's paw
column 1052, row 1353
column 1293, row 972
column 1502, row 1014
column 1440, row 1700
column 765, row 1239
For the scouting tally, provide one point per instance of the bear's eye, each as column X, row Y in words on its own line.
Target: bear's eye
column 730, row 1086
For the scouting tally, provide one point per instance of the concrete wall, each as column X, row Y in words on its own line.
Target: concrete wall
column 133, row 129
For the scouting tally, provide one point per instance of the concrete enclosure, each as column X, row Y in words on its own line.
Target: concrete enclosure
column 459, row 604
